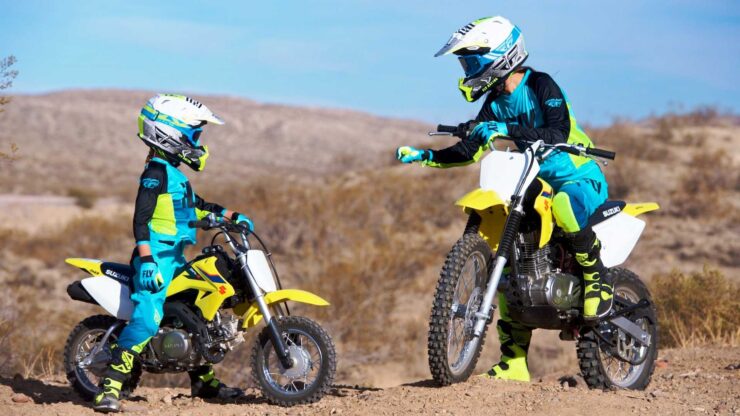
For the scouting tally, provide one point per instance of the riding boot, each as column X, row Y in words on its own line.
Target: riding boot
column 204, row 384
column 514, row 338
column 597, row 293
column 117, row 374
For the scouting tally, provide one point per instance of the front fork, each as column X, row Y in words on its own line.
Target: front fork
column 275, row 335
column 485, row 313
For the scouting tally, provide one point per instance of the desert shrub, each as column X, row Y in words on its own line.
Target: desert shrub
column 629, row 141
column 82, row 237
column 703, row 189
column 84, row 198
column 620, row 175
column 697, row 308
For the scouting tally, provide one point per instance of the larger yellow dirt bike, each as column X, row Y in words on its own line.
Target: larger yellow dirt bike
column 512, row 245
column 210, row 302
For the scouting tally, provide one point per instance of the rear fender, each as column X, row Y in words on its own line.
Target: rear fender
column 252, row 315
column 640, row 208
column 111, row 295
column 91, row 266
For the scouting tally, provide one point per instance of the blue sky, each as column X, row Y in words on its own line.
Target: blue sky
column 613, row 59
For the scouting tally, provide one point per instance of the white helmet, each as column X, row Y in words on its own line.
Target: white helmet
column 489, row 49
column 173, row 124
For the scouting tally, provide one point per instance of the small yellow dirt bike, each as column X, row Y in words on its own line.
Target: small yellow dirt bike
column 293, row 359
column 511, row 215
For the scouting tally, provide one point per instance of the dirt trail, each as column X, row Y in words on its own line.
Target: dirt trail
column 688, row 381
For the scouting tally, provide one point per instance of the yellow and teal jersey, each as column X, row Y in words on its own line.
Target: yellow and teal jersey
column 165, row 204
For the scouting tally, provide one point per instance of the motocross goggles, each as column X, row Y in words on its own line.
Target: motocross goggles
column 474, row 64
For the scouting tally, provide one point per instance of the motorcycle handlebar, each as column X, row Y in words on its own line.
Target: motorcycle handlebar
column 446, row 129
column 199, row 224
column 606, row 154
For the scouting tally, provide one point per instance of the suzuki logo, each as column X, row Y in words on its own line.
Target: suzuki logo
column 611, row 211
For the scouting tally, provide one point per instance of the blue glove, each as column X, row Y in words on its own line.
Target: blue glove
column 242, row 219
column 408, row 154
column 149, row 275
column 484, row 132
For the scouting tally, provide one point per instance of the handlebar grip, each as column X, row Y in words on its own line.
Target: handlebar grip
column 606, row 154
column 446, row 129
column 570, row 150
column 199, row 224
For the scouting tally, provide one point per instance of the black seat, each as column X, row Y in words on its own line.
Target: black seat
column 605, row 211
column 123, row 273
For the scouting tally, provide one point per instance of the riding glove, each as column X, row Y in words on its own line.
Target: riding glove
column 485, row 132
column 408, row 154
column 149, row 275
column 242, row 219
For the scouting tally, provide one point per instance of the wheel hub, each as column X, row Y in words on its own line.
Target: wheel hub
column 301, row 363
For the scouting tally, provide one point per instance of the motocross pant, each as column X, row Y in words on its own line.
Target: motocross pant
column 148, row 306
column 572, row 207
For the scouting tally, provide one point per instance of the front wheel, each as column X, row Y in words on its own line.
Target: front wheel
column 452, row 348
column 614, row 359
column 314, row 363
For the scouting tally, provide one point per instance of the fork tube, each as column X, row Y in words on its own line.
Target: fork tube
column 277, row 339
column 486, row 309
column 511, row 228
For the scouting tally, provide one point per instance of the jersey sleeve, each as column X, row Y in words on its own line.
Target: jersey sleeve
column 462, row 153
column 203, row 208
column 153, row 182
column 555, row 113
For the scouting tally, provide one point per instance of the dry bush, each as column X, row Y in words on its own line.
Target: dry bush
column 82, row 237
column 704, row 188
column 698, row 117
column 84, row 198
column 33, row 332
column 697, row 308
column 629, row 141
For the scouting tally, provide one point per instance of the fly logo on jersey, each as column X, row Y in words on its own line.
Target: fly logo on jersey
column 150, row 183
column 554, row 102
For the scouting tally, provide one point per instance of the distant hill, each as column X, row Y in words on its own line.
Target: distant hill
column 86, row 138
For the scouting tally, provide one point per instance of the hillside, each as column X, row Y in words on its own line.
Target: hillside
column 87, row 139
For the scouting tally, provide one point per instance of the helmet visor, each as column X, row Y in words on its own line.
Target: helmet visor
column 474, row 64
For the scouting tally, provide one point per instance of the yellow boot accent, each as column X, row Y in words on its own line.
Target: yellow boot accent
column 511, row 368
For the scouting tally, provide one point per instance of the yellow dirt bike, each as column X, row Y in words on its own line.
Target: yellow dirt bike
column 293, row 358
column 511, row 215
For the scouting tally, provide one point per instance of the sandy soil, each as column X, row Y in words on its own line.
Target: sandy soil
column 689, row 381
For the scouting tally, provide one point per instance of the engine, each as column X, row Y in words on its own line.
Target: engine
column 177, row 347
column 538, row 282
column 174, row 346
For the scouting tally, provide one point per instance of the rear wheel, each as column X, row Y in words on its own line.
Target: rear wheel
column 614, row 359
column 85, row 372
column 453, row 350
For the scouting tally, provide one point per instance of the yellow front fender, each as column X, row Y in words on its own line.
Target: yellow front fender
column 252, row 315
column 479, row 200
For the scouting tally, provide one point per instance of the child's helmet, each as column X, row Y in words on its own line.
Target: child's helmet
column 489, row 49
column 171, row 124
